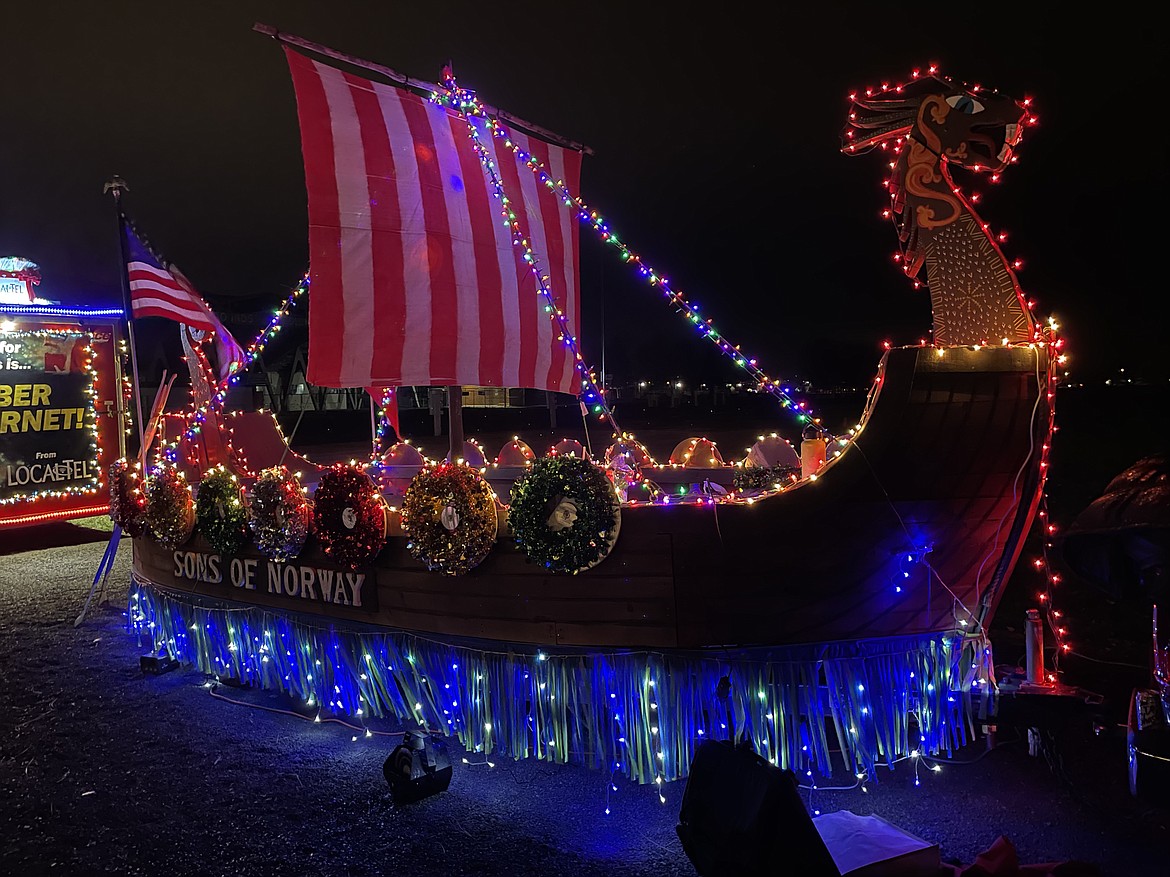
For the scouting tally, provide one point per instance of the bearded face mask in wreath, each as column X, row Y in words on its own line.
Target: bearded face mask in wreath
column 563, row 514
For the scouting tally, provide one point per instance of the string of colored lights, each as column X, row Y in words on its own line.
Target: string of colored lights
column 366, row 732
column 1045, row 334
column 387, row 397
column 894, row 144
column 772, row 727
column 53, row 310
column 1047, row 379
column 238, row 635
column 198, row 415
column 1054, row 617
column 465, row 102
column 597, row 709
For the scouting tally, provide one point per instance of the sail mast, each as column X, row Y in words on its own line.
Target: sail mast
column 455, row 421
column 410, row 82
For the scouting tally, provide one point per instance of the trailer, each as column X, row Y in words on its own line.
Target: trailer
column 63, row 393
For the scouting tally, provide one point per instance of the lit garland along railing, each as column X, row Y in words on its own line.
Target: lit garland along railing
column 197, row 417
column 466, row 103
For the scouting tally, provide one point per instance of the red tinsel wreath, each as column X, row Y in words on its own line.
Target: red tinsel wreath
column 127, row 501
column 349, row 515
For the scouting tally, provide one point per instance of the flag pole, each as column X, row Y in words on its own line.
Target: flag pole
column 115, row 186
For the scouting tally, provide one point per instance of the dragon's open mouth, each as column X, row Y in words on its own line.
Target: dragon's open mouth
column 992, row 143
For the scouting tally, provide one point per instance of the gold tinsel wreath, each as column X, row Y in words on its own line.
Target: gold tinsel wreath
column 449, row 517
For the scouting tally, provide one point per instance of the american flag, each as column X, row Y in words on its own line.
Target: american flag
column 157, row 291
column 415, row 279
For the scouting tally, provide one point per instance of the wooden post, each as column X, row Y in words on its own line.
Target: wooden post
column 435, row 406
column 551, row 399
column 455, row 418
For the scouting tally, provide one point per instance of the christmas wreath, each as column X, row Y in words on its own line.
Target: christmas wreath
column 221, row 513
column 281, row 515
column 127, row 501
column 449, row 517
column 564, row 513
column 350, row 517
column 170, row 509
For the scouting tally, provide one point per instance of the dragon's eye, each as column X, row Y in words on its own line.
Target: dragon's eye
column 964, row 103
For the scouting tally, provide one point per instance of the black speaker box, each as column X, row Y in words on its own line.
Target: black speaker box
column 741, row 816
column 418, row 767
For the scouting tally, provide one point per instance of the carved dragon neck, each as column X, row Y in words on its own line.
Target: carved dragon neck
column 974, row 295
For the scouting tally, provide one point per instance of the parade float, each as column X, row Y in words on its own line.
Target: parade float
column 829, row 605
column 62, row 394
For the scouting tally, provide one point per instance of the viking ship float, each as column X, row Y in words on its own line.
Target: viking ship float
column 832, row 608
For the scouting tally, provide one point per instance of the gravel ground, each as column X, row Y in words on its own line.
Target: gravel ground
column 105, row 770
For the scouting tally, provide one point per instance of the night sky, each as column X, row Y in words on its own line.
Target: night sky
column 715, row 138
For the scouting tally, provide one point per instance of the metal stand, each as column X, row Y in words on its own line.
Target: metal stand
column 103, row 572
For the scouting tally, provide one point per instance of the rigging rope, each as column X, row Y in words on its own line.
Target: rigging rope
column 467, row 104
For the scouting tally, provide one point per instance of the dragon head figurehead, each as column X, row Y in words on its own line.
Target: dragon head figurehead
column 930, row 124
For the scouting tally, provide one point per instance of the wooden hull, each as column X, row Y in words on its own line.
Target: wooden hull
column 913, row 529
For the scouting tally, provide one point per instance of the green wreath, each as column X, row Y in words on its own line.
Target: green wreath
column 127, row 501
column 350, row 517
column 221, row 513
column 280, row 514
column 170, row 510
column 565, row 513
column 449, row 517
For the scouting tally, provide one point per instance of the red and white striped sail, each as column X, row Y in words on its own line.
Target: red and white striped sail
column 414, row 277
